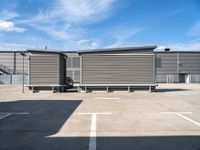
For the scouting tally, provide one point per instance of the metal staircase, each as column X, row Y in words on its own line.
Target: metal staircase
column 6, row 70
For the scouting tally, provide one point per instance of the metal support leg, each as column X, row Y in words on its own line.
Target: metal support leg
column 150, row 89
column 79, row 89
column 86, row 89
column 107, row 89
column 62, row 89
column 129, row 90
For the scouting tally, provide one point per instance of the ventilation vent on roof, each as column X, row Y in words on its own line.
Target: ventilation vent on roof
column 167, row 49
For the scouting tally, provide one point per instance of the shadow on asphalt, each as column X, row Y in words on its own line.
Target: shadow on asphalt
column 30, row 132
column 171, row 90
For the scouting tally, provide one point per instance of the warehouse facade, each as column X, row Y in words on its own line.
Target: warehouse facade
column 11, row 67
column 171, row 66
column 178, row 67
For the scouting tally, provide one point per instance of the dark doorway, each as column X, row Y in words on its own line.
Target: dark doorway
column 182, row 78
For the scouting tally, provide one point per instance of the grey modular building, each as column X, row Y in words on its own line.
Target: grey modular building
column 178, row 67
column 128, row 67
column 47, row 69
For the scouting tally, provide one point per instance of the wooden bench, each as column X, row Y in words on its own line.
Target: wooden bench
column 129, row 87
column 54, row 88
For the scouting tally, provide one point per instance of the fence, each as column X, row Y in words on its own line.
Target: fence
column 167, row 79
column 13, row 79
column 176, row 79
column 195, row 78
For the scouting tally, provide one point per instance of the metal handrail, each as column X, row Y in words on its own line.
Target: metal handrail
column 7, row 70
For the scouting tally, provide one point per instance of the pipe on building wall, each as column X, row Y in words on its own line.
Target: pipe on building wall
column 14, row 63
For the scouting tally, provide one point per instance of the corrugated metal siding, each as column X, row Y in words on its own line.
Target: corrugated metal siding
column 13, row 61
column 117, row 69
column 168, row 64
column 19, row 64
column 7, row 59
column 44, row 68
column 189, row 63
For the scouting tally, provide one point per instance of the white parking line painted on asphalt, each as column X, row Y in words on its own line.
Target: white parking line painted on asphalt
column 93, row 128
column 107, row 98
column 168, row 113
column 6, row 114
column 180, row 114
column 3, row 116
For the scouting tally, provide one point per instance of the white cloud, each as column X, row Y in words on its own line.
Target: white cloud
column 65, row 20
column 12, row 46
column 81, row 10
column 72, row 11
column 178, row 11
column 122, row 33
column 9, row 26
column 87, row 44
column 6, row 15
column 195, row 30
column 26, row 41
column 6, row 24
column 191, row 46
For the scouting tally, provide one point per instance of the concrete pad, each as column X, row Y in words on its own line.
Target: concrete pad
column 136, row 120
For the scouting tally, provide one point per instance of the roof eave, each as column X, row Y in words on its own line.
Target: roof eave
column 117, row 49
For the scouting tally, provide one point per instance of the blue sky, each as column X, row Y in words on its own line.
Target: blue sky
column 84, row 24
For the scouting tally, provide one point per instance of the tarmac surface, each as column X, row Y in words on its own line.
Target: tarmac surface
column 168, row 119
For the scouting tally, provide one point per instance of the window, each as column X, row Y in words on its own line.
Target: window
column 76, row 76
column 70, row 74
column 158, row 63
column 69, row 62
column 76, row 62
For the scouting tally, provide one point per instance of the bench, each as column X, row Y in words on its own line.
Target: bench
column 54, row 88
column 151, row 87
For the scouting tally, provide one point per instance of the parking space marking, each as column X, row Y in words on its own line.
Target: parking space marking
column 3, row 116
column 180, row 114
column 93, row 128
column 107, row 98
column 6, row 114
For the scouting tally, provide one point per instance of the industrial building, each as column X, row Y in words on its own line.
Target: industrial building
column 11, row 67
column 110, row 67
column 178, row 67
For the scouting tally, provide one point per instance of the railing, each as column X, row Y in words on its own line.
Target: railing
column 176, row 79
column 13, row 79
column 6, row 69
column 195, row 78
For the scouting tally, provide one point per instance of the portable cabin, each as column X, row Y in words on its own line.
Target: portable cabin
column 117, row 68
column 47, row 70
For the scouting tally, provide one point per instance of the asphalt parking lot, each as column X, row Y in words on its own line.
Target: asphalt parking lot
column 167, row 119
